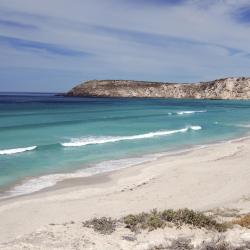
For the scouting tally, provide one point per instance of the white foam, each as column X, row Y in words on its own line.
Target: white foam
column 78, row 142
column 196, row 127
column 42, row 182
column 16, row 150
column 234, row 125
column 46, row 181
column 190, row 112
column 243, row 125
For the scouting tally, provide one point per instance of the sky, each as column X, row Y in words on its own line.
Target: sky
column 50, row 46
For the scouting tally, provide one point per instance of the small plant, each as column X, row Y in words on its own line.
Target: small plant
column 243, row 221
column 181, row 244
column 196, row 219
column 155, row 219
column 220, row 246
column 168, row 215
column 102, row 225
column 134, row 222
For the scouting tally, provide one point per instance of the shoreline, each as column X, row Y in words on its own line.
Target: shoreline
column 60, row 178
column 73, row 182
column 208, row 178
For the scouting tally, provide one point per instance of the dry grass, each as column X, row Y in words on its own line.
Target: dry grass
column 243, row 221
column 224, row 212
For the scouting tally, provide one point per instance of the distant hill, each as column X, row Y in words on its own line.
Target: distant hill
column 226, row 88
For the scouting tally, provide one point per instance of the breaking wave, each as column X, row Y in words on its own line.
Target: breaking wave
column 243, row 125
column 16, row 150
column 190, row 112
column 78, row 142
column 187, row 112
column 46, row 181
column 233, row 125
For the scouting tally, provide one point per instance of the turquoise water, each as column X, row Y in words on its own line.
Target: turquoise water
column 43, row 134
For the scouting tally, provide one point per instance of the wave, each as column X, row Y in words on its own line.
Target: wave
column 46, row 181
column 38, row 183
column 187, row 112
column 78, row 142
column 16, row 150
column 233, row 125
column 190, row 112
column 243, row 125
column 195, row 127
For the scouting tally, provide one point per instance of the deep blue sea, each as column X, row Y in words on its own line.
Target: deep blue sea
column 46, row 138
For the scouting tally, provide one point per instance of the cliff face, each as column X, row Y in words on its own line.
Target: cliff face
column 227, row 88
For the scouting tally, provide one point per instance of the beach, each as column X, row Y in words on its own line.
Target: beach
column 125, row 125
column 208, row 178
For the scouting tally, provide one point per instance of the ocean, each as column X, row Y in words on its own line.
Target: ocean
column 46, row 138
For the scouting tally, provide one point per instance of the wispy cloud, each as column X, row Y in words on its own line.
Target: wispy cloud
column 17, row 25
column 156, row 3
column 185, row 40
column 159, row 40
column 39, row 47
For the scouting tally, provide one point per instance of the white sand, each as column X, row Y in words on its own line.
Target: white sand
column 217, row 176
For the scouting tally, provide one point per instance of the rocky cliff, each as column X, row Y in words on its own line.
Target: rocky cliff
column 227, row 88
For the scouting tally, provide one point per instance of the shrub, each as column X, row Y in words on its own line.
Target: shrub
column 155, row 219
column 196, row 219
column 218, row 246
column 168, row 215
column 243, row 221
column 150, row 221
column 102, row 225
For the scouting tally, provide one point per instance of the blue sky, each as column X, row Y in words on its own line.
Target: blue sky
column 54, row 45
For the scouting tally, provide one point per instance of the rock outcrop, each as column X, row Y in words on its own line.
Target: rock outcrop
column 227, row 88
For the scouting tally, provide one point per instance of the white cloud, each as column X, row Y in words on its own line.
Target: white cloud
column 193, row 41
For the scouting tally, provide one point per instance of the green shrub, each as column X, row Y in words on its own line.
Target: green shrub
column 197, row 219
column 168, row 215
column 155, row 219
column 102, row 225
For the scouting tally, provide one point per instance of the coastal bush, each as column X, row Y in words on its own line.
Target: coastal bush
column 102, row 225
column 243, row 221
column 159, row 219
column 148, row 221
column 181, row 243
column 155, row 219
column 196, row 219
column 222, row 245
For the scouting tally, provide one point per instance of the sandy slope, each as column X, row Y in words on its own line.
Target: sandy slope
column 75, row 236
column 217, row 176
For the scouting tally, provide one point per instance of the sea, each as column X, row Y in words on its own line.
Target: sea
column 46, row 138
